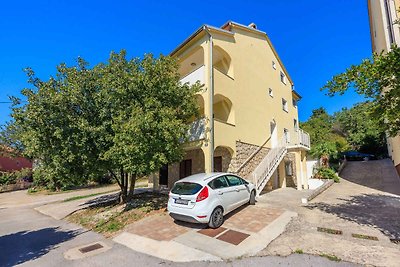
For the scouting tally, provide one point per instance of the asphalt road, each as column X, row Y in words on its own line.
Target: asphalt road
column 30, row 238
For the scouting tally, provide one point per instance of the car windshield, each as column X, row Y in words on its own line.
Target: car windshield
column 185, row 188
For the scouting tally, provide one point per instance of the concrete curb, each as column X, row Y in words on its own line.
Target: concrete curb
column 167, row 250
column 318, row 191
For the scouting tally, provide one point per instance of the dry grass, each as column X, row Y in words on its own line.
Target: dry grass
column 109, row 218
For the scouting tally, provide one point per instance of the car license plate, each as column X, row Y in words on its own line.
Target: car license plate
column 181, row 201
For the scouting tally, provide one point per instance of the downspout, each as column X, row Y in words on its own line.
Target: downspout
column 211, row 83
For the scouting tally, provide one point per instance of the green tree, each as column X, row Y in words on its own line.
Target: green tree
column 361, row 130
column 377, row 78
column 319, row 126
column 125, row 118
column 323, row 152
column 149, row 110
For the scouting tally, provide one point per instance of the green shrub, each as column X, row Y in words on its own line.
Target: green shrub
column 326, row 173
column 7, row 178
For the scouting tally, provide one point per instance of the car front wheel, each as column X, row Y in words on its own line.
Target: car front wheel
column 252, row 200
column 217, row 218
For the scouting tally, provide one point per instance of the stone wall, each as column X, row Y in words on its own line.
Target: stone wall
column 291, row 181
column 243, row 152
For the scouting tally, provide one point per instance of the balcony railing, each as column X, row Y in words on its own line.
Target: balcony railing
column 299, row 138
column 197, row 130
column 194, row 76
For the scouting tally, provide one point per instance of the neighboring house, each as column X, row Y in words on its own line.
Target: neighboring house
column 384, row 33
column 10, row 162
column 249, row 116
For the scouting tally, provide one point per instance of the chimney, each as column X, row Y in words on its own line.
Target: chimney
column 253, row 25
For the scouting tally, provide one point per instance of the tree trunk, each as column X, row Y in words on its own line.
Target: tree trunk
column 131, row 187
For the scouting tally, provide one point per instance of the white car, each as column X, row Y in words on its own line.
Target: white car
column 206, row 198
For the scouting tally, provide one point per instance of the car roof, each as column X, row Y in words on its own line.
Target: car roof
column 201, row 177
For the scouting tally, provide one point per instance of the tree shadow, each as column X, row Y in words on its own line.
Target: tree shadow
column 103, row 201
column 17, row 248
column 376, row 210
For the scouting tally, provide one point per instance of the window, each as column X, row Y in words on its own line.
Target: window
column 185, row 188
column 284, row 105
column 287, row 135
column 219, row 182
column 289, row 168
column 233, row 180
column 294, row 101
column 270, row 92
column 185, row 168
column 274, row 65
column 295, row 125
column 283, row 78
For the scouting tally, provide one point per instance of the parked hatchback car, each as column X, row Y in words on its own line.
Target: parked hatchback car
column 355, row 155
column 206, row 198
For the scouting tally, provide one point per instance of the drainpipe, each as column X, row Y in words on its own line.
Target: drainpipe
column 211, row 85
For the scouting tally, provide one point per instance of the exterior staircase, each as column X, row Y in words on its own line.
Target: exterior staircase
column 263, row 173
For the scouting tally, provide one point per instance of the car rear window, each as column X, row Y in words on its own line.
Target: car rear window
column 185, row 188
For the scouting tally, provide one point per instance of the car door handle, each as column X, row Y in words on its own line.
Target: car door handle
column 220, row 193
column 237, row 189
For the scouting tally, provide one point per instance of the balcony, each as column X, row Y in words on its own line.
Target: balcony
column 194, row 76
column 299, row 139
column 197, row 130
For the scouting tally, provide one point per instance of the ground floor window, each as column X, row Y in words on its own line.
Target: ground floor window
column 185, row 168
column 218, row 164
column 289, row 168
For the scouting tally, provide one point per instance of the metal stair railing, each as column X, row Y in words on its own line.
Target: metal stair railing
column 263, row 172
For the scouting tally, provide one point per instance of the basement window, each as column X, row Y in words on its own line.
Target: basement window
column 289, row 168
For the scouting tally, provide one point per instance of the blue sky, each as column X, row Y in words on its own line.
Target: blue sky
column 315, row 39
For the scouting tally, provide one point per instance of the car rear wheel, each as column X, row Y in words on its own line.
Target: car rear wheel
column 217, row 218
column 252, row 200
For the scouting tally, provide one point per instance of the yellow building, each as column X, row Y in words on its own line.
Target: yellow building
column 249, row 122
column 384, row 33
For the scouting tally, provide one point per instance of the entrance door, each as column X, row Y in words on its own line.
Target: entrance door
column 163, row 175
column 185, row 168
column 274, row 134
column 217, row 164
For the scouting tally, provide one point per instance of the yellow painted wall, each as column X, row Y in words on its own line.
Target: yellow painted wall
column 242, row 73
column 381, row 43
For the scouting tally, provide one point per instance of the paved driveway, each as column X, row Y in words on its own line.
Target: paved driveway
column 245, row 232
column 29, row 238
column 364, row 204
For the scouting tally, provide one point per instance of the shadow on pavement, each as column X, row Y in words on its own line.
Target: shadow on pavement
column 103, row 200
column 379, row 211
column 20, row 247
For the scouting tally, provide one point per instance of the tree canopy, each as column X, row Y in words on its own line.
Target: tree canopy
column 351, row 128
column 124, row 118
column 377, row 78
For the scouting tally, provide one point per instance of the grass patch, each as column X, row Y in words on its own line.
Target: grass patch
column 330, row 257
column 368, row 237
column 86, row 196
column 111, row 217
column 329, row 231
column 299, row 251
